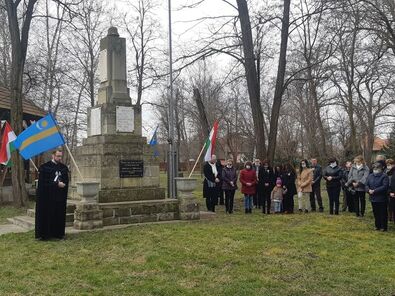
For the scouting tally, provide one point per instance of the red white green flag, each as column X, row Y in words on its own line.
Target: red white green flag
column 7, row 145
column 210, row 143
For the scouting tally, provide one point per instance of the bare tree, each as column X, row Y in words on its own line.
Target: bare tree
column 279, row 90
column 19, row 42
column 142, row 27
column 252, row 77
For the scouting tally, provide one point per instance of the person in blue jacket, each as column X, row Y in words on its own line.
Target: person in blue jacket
column 377, row 188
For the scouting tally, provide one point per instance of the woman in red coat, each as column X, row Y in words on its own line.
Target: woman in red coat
column 248, row 185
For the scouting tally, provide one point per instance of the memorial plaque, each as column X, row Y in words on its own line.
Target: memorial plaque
column 103, row 65
column 124, row 119
column 95, row 121
column 131, row 168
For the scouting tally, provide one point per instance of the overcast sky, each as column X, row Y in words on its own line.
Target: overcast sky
column 184, row 30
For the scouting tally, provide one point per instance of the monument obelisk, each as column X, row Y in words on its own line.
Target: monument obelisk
column 115, row 153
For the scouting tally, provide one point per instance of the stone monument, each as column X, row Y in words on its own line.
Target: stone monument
column 115, row 153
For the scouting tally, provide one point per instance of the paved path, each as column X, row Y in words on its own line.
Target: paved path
column 11, row 228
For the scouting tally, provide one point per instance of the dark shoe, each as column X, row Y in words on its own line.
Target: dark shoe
column 246, row 211
column 306, row 211
column 300, row 211
column 321, row 210
column 337, row 213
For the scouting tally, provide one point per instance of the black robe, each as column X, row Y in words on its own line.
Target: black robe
column 51, row 201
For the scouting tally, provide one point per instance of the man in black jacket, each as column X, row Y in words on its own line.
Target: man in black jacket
column 316, row 193
column 53, row 182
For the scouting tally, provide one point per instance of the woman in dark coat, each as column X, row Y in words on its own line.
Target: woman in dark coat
column 333, row 175
column 377, row 187
column 289, row 179
column 229, row 184
column 266, row 185
column 210, row 183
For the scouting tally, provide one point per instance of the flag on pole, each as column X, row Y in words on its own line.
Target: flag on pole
column 154, row 142
column 41, row 136
column 210, row 143
column 7, row 145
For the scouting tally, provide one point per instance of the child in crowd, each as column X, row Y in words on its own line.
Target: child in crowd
column 277, row 196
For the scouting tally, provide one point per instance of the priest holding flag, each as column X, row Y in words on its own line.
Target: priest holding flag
column 51, row 197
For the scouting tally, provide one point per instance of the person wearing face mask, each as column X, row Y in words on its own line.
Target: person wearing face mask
column 357, row 177
column 220, row 193
column 348, row 192
column 316, row 194
column 382, row 160
column 266, row 184
column 377, row 187
column 333, row 175
column 305, row 181
column 257, row 200
column 391, row 201
column 229, row 185
column 248, row 185
column 289, row 180
column 210, row 183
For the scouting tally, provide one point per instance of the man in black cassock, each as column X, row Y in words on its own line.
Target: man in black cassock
column 51, row 198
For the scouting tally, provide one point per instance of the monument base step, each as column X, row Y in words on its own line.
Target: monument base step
column 131, row 212
column 69, row 216
column 117, row 213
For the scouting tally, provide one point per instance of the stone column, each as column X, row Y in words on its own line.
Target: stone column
column 188, row 204
column 87, row 214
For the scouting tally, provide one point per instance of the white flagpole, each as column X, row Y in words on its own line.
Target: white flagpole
column 73, row 160
column 197, row 160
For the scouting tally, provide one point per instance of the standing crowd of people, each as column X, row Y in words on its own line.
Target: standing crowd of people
column 272, row 189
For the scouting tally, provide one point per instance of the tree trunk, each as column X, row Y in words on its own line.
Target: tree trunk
column 19, row 42
column 202, row 113
column 252, row 78
column 278, row 94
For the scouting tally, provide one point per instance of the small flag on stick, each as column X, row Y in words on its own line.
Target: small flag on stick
column 40, row 137
column 154, row 142
column 210, row 143
column 7, row 145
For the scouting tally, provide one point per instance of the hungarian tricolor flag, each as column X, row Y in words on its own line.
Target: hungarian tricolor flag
column 7, row 145
column 210, row 143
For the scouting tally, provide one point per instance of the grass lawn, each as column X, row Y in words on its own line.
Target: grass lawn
column 313, row 254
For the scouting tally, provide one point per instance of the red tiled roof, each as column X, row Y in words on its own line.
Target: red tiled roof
column 379, row 144
column 28, row 106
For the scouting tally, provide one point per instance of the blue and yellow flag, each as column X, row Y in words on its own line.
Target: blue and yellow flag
column 154, row 142
column 39, row 137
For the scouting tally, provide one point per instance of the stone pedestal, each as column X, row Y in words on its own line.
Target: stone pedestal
column 188, row 204
column 116, row 155
column 88, row 214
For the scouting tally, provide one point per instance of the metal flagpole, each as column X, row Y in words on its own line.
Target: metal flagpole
column 171, row 164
